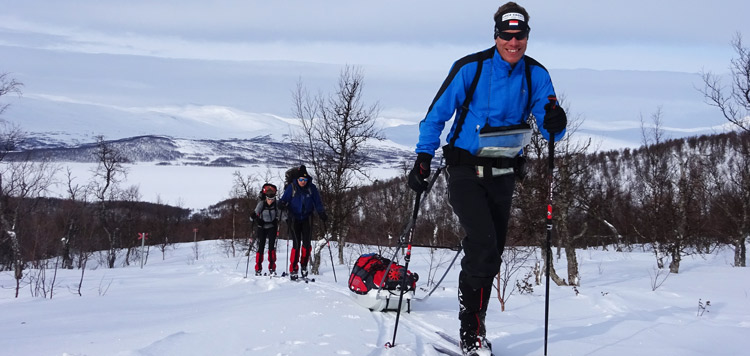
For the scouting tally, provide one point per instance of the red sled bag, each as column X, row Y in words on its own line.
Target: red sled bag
column 369, row 270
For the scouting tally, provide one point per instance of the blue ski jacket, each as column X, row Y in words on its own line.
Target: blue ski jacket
column 301, row 202
column 500, row 99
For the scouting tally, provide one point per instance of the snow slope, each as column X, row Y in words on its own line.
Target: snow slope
column 183, row 306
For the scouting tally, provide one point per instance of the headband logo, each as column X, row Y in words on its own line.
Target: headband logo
column 513, row 16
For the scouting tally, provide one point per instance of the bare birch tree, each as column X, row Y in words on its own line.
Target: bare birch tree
column 733, row 102
column 104, row 187
column 8, row 85
column 336, row 130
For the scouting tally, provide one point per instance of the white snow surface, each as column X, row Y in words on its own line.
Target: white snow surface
column 190, row 187
column 182, row 306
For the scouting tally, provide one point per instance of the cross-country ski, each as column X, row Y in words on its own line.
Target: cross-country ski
column 457, row 346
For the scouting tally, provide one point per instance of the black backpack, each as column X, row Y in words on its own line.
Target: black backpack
column 292, row 174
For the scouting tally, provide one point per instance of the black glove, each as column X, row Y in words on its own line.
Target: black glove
column 555, row 119
column 323, row 216
column 256, row 219
column 420, row 172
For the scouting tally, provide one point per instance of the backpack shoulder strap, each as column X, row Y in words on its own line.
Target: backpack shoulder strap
column 478, row 57
column 530, row 62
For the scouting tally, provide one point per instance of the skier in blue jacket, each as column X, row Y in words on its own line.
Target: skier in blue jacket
column 510, row 89
column 300, row 199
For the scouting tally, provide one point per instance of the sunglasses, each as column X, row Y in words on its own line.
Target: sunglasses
column 270, row 198
column 507, row 36
column 302, row 179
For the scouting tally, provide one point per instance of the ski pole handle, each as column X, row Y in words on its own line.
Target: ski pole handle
column 552, row 100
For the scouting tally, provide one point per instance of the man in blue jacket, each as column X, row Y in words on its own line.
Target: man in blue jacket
column 301, row 198
column 509, row 89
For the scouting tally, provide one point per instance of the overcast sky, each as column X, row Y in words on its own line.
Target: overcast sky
column 247, row 56
column 674, row 35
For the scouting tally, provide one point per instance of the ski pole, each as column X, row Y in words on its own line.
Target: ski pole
column 410, row 232
column 406, row 266
column 410, row 225
column 293, row 235
column 551, row 169
column 328, row 242
column 288, row 229
column 249, row 250
column 275, row 245
column 247, row 268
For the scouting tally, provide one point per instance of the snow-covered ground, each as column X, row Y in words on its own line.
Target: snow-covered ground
column 181, row 305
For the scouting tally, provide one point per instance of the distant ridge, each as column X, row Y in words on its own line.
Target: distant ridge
column 165, row 150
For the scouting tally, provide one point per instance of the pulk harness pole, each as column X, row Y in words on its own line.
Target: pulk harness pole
column 548, row 259
column 458, row 252
column 409, row 231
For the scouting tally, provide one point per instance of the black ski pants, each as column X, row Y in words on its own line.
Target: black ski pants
column 483, row 209
column 301, row 243
column 269, row 235
column 264, row 235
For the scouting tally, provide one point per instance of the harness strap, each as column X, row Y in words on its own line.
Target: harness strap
column 456, row 156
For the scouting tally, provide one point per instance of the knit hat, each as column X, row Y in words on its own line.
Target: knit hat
column 511, row 21
column 302, row 173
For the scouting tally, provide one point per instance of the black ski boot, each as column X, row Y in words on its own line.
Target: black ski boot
column 258, row 272
column 472, row 310
column 480, row 347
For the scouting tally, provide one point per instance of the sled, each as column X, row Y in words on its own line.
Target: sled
column 376, row 283
column 382, row 300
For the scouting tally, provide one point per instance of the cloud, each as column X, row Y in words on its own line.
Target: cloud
column 639, row 35
column 228, row 57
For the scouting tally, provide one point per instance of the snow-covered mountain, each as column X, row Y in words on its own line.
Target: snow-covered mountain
column 63, row 129
column 120, row 96
column 609, row 105
column 164, row 150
